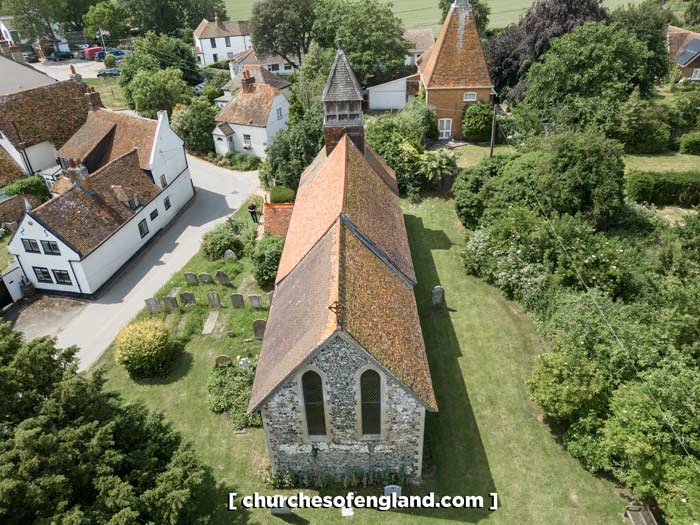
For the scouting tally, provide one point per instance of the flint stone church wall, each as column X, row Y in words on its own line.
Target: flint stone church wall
column 343, row 451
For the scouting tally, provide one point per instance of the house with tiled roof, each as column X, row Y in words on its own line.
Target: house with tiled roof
column 421, row 39
column 249, row 122
column 343, row 382
column 220, row 39
column 123, row 179
column 261, row 75
column 684, row 50
column 274, row 64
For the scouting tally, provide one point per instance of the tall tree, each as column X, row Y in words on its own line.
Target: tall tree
column 160, row 16
column 370, row 33
column 105, row 15
column 72, row 11
column 692, row 12
column 480, row 9
column 33, row 18
column 153, row 91
column 283, row 27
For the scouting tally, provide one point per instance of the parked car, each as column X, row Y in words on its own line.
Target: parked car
column 116, row 53
column 90, row 52
column 60, row 55
column 109, row 72
column 30, row 56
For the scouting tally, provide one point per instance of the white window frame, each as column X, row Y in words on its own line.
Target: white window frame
column 470, row 96
column 445, row 128
column 247, row 141
column 696, row 74
column 358, row 405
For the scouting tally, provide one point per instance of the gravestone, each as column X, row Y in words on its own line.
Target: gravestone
column 255, row 301
column 214, row 299
column 438, row 296
column 153, row 305
column 205, row 277
column 191, row 278
column 237, row 300
column 259, row 328
column 222, row 360
column 170, row 304
column 187, row 298
column 230, row 254
column 173, row 292
column 210, row 323
column 222, row 278
column 269, row 298
column 392, row 489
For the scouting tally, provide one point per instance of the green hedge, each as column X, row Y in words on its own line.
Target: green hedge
column 279, row 194
column 690, row 143
column 680, row 188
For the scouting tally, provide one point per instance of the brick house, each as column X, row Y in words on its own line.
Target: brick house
column 343, row 382
column 684, row 48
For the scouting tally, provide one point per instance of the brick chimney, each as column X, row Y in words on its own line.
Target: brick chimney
column 75, row 77
column 247, row 82
column 77, row 172
column 94, row 100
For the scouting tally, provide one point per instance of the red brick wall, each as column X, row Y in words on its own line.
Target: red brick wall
column 277, row 217
column 448, row 103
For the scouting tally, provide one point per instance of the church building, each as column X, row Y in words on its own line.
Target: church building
column 343, row 382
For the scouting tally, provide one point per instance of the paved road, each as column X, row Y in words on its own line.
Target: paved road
column 61, row 70
column 219, row 193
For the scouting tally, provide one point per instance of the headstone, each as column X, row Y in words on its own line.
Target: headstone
column 392, row 489
column 214, row 299
column 222, row 360
column 173, row 292
column 191, row 278
column 222, row 278
column 259, row 328
column 269, row 298
column 237, row 300
column 170, row 304
column 438, row 296
column 153, row 305
column 230, row 254
column 210, row 323
column 205, row 277
column 255, row 301
column 187, row 298
column 244, row 362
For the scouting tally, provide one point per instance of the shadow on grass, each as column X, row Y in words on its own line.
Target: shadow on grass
column 179, row 368
column 214, row 503
column 454, row 444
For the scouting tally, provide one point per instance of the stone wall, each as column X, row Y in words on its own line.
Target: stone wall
column 343, row 451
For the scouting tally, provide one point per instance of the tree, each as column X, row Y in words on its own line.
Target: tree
column 282, row 27
column 692, row 12
column 267, row 255
column 152, row 91
column 73, row 453
column 33, row 18
column 648, row 22
column 194, row 124
column 72, row 13
column 105, row 15
column 476, row 122
column 110, row 60
column 644, row 126
column 370, row 33
column 312, row 77
column 480, row 9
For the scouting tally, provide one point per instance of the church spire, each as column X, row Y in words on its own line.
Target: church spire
column 342, row 105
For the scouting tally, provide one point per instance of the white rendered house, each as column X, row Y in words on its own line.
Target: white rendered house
column 249, row 123
column 220, row 40
column 125, row 178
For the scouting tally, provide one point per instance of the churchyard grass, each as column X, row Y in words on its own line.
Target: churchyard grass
column 110, row 91
column 487, row 437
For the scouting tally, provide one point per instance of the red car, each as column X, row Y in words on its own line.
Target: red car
column 90, row 52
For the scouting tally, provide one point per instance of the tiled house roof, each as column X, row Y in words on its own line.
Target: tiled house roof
column 10, row 171
column 250, row 109
column 678, row 40
column 342, row 84
column 457, row 58
column 50, row 113
column 421, row 38
column 107, row 135
column 88, row 213
column 221, row 28
column 335, row 252
column 261, row 75
column 248, row 57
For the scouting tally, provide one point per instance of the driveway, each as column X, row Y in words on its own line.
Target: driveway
column 61, row 70
column 219, row 193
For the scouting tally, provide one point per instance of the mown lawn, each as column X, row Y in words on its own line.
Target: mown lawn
column 110, row 91
column 472, row 153
column 487, row 437
column 670, row 161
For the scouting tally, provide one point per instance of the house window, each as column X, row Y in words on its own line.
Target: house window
column 696, row 74
column 50, row 248
column 42, row 275
column 30, row 246
column 143, row 228
column 279, row 113
column 213, row 43
column 445, row 128
column 228, row 41
column 274, row 67
column 288, row 67
column 62, row 277
column 134, row 202
column 154, row 214
column 163, row 181
column 371, row 399
column 215, row 57
column 312, row 387
column 469, row 96
column 246, row 141
column 166, row 202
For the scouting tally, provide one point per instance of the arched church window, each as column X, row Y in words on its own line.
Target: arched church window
column 371, row 397
column 312, row 387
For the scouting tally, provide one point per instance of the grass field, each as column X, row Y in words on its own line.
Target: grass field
column 416, row 13
column 487, row 437
column 110, row 91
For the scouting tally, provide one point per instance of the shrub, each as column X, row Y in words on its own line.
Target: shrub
column 266, row 257
column 644, row 126
column 664, row 188
column 110, row 60
column 32, row 185
column 229, row 389
column 223, row 237
column 690, row 143
column 281, row 194
column 144, row 347
column 476, row 122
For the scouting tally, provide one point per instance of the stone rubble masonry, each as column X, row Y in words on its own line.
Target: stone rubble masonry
column 401, row 445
